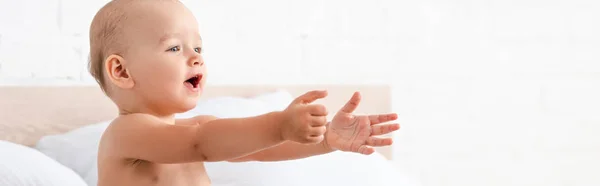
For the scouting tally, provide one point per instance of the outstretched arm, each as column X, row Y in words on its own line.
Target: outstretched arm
column 346, row 132
column 288, row 150
column 206, row 138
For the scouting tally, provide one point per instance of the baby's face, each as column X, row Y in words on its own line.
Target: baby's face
column 164, row 56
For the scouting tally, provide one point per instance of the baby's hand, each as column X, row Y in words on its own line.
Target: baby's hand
column 359, row 133
column 305, row 122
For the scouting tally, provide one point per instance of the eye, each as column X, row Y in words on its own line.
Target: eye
column 173, row 49
column 198, row 50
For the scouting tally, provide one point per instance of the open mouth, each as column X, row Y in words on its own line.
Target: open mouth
column 194, row 81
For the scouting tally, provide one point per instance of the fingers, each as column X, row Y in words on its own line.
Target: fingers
column 317, row 127
column 317, row 110
column 316, row 134
column 384, row 129
column 311, row 96
column 318, row 121
column 377, row 119
column 314, row 139
column 378, row 142
column 366, row 150
column 352, row 104
column 310, row 135
column 317, row 131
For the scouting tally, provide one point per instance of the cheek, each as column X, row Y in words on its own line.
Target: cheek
column 146, row 72
column 156, row 73
column 205, row 75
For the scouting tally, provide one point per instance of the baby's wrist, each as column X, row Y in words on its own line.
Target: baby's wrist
column 325, row 143
column 280, row 121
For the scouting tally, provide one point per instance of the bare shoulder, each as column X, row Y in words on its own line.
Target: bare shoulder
column 125, row 125
column 134, row 120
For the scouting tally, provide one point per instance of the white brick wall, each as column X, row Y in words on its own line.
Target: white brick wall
column 490, row 92
column 498, row 92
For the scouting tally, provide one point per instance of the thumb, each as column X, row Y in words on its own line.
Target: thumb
column 311, row 96
column 352, row 104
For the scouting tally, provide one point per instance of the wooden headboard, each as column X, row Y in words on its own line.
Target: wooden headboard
column 29, row 112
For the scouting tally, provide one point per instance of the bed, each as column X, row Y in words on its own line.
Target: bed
column 62, row 124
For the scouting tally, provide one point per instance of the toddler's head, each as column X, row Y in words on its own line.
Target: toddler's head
column 146, row 55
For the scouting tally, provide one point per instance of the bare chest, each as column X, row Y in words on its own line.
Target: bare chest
column 152, row 174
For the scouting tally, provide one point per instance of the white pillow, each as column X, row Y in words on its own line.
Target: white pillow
column 234, row 107
column 277, row 100
column 76, row 149
column 227, row 107
column 23, row 166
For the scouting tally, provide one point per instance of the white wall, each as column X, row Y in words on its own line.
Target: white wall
column 490, row 92
column 264, row 38
column 497, row 92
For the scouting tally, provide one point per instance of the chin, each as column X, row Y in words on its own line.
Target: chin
column 188, row 105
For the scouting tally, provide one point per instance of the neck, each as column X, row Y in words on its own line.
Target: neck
column 132, row 106
column 168, row 118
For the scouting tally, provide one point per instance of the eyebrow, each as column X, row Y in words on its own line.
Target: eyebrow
column 169, row 36
column 166, row 37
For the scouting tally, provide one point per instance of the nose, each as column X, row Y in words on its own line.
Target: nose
column 196, row 60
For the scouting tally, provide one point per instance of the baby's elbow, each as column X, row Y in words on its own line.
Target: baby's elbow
column 205, row 154
column 198, row 153
column 198, row 148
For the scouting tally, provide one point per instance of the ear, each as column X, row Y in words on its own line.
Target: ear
column 117, row 73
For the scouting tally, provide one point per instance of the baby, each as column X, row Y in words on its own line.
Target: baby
column 146, row 55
